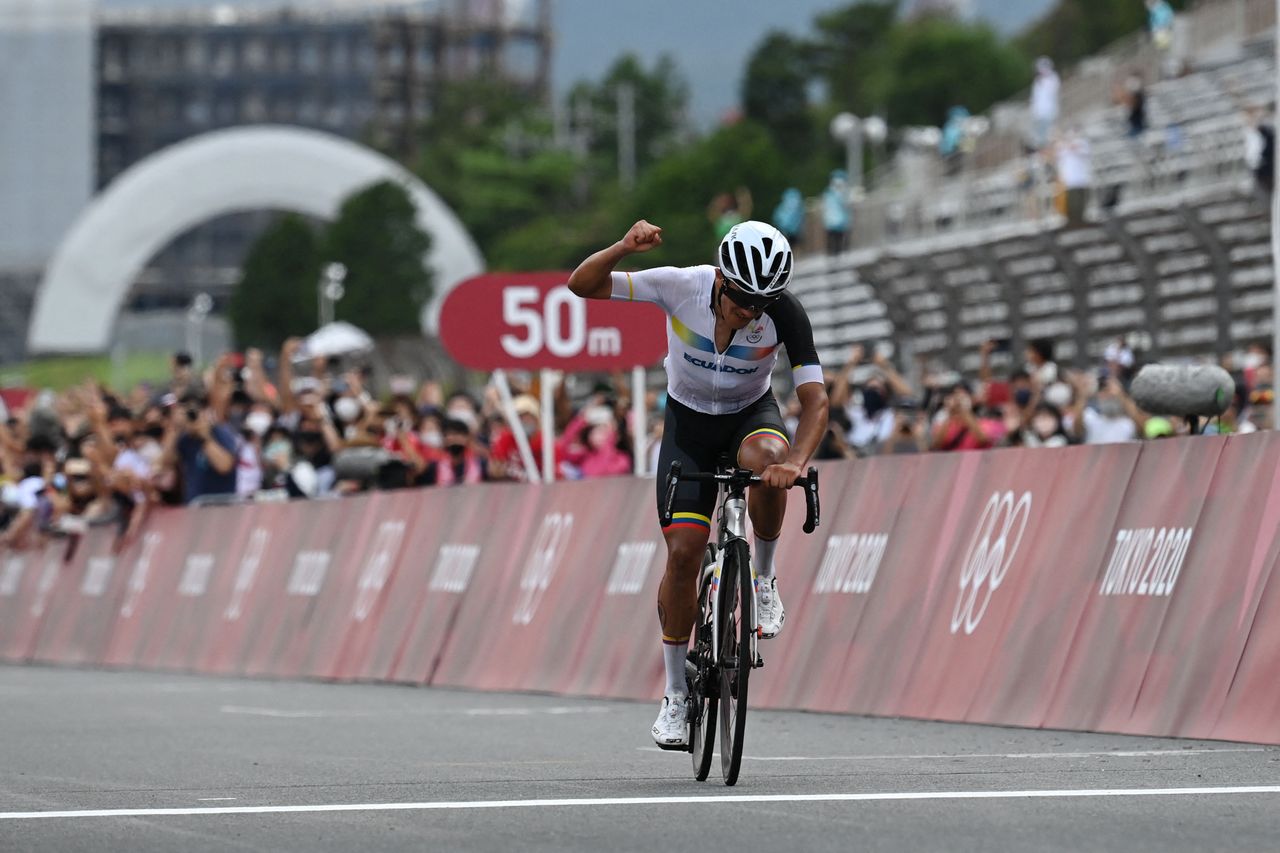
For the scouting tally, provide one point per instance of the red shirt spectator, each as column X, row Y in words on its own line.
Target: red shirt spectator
column 504, row 454
column 962, row 430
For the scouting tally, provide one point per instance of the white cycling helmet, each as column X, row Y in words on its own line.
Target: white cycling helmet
column 757, row 258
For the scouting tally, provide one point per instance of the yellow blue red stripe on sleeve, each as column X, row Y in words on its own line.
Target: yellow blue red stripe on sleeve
column 804, row 373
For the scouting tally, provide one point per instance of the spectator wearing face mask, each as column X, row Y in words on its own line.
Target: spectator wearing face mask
column 461, row 462
column 1045, row 428
column 591, row 444
column 505, row 462
column 960, row 427
column 315, row 441
column 464, row 408
column 870, row 414
column 148, row 438
column 1118, row 357
column 249, row 467
column 430, row 433
column 1256, row 365
column 277, row 456
column 1112, row 418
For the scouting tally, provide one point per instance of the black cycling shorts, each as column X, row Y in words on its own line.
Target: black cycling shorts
column 698, row 441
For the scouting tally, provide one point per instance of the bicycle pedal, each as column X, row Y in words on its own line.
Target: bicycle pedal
column 759, row 662
column 676, row 747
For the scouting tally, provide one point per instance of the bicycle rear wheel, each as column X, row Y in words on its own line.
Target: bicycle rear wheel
column 736, row 625
column 703, row 686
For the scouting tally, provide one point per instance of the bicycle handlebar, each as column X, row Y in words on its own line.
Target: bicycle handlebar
column 809, row 483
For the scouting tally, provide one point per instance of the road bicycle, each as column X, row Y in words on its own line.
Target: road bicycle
column 724, row 646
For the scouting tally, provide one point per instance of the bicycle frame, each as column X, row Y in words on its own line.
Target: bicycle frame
column 733, row 525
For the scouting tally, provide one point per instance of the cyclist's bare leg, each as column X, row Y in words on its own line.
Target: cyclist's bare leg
column 678, row 596
column 766, row 505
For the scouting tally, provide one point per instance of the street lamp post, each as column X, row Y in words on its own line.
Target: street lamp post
column 330, row 290
column 851, row 130
column 847, row 128
column 200, row 308
column 975, row 127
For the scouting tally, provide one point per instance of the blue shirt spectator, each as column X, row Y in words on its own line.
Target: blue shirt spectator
column 201, row 475
column 788, row 217
column 953, row 131
column 835, row 211
column 1160, row 22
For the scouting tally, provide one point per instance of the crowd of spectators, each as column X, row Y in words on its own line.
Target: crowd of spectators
column 254, row 428
column 875, row 409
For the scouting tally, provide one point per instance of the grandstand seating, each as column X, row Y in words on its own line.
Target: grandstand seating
column 1181, row 256
column 1192, row 278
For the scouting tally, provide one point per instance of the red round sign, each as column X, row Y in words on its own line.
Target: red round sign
column 532, row 320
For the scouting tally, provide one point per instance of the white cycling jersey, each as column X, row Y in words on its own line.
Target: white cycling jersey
column 720, row 383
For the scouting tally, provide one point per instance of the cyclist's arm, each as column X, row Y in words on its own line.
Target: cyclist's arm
column 592, row 279
column 813, row 423
column 796, row 334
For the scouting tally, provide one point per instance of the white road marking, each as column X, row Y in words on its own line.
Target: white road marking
column 212, row 799
column 655, row 801
column 555, row 711
column 274, row 712
column 1133, row 753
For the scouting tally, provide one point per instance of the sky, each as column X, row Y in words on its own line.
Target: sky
column 710, row 39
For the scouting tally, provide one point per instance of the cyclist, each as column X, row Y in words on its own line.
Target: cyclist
column 725, row 324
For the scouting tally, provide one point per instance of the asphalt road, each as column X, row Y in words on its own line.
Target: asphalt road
column 282, row 766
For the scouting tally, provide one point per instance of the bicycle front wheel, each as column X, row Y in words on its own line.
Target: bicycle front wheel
column 703, row 686
column 736, row 624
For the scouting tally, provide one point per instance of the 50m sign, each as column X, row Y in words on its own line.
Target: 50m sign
column 532, row 320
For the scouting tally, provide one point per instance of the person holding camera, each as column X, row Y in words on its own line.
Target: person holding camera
column 204, row 452
column 908, row 434
column 962, row 429
column 870, row 412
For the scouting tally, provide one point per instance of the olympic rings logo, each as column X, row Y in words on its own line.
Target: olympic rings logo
column 990, row 554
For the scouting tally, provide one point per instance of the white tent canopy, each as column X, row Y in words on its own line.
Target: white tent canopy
column 334, row 339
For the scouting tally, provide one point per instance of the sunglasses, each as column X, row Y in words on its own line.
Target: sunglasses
column 746, row 300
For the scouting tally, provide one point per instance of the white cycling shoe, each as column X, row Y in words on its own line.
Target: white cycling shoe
column 671, row 729
column 769, row 609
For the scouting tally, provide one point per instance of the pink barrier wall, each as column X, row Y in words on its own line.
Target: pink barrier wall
column 1125, row 588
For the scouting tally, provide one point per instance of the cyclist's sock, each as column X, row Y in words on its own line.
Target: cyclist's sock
column 673, row 654
column 763, row 555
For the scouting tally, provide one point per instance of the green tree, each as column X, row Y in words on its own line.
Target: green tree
column 675, row 192
column 939, row 62
column 1074, row 29
column 490, row 156
column 661, row 99
column 851, row 54
column 775, row 92
column 378, row 239
column 276, row 295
